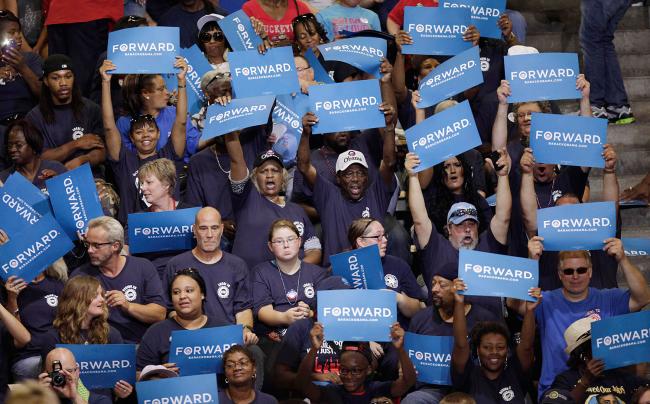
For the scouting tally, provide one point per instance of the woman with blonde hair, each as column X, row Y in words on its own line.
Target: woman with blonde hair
column 34, row 304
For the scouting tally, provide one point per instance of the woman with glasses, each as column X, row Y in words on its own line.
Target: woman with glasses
column 187, row 294
column 34, row 304
column 144, row 132
column 239, row 368
column 397, row 274
column 276, row 16
column 82, row 318
column 213, row 42
column 23, row 146
column 284, row 288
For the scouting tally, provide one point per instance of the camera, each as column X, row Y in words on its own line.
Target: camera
column 58, row 378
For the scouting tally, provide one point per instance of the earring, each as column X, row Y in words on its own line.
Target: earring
column 479, row 359
column 147, row 97
column 254, row 376
column 226, row 380
column 505, row 366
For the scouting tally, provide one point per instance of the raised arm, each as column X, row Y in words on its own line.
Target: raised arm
column 238, row 169
column 399, row 71
column 585, row 105
column 178, row 136
column 535, row 250
column 421, row 222
column 461, row 350
column 113, row 137
column 389, row 159
column 305, row 167
column 610, row 180
column 500, row 126
column 303, row 378
column 19, row 333
column 501, row 219
column 408, row 376
column 527, row 194
column 525, row 349
column 639, row 290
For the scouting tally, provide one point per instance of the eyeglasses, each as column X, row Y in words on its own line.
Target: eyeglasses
column 353, row 173
column 230, row 365
column 281, row 241
column 381, row 401
column 571, row 271
column 96, row 246
column 6, row 14
column 524, row 115
column 377, row 237
column 464, row 212
column 302, row 69
column 354, row 371
column 215, row 36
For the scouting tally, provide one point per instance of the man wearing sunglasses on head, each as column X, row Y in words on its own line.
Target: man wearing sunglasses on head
column 576, row 300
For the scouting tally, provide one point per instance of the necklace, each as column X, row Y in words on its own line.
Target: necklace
column 292, row 294
column 216, row 155
column 550, row 198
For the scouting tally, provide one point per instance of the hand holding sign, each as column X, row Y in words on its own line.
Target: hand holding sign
column 317, row 336
column 614, row 248
column 472, row 35
column 527, row 161
column 535, row 247
column 609, row 155
column 503, row 92
column 123, row 389
column 459, row 286
column 535, row 293
column 397, row 335
column 104, row 69
column 411, row 162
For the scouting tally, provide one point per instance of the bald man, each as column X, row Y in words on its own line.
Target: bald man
column 69, row 393
column 228, row 297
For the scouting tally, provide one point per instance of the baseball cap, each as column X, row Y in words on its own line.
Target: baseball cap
column 152, row 370
column 461, row 211
column 347, row 158
column 266, row 156
column 206, row 19
column 577, row 333
column 557, row 396
column 57, row 62
column 521, row 50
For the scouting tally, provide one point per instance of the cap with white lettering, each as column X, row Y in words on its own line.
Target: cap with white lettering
column 578, row 333
column 461, row 211
column 347, row 158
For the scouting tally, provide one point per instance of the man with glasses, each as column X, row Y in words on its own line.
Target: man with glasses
column 576, row 300
column 134, row 292
column 73, row 391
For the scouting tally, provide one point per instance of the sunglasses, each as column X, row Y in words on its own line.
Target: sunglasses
column 303, row 18
column 215, row 36
column 571, row 271
column 135, row 18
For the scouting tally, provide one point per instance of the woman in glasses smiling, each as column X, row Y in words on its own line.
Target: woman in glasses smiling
column 213, row 42
column 284, row 288
column 239, row 368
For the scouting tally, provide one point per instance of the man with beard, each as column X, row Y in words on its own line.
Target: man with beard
column 132, row 285
column 438, row 320
column 461, row 231
column 353, row 194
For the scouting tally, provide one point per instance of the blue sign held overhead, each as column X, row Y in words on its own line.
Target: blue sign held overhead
column 443, row 135
column 30, row 251
column 161, row 231
column 272, row 73
column 197, row 66
column 239, row 31
column 357, row 315
column 21, row 204
column 636, row 247
column 74, row 199
column 346, row 106
column 540, row 77
column 583, row 226
column 361, row 267
column 144, row 50
column 320, row 74
column 103, row 365
column 622, row 340
column 488, row 274
column 364, row 53
column 187, row 389
column 431, row 356
column 457, row 74
column 240, row 113
column 568, row 140
column 201, row 351
column 436, row 30
column 484, row 14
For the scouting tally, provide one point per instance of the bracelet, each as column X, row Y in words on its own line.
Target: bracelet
column 16, row 311
column 608, row 171
column 181, row 86
column 248, row 327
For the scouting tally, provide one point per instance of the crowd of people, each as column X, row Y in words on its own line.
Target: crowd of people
column 270, row 219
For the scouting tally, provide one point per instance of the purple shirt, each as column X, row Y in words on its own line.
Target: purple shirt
column 227, row 282
column 337, row 212
column 254, row 214
column 271, row 286
column 154, row 348
column 126, row 169
column 260, row 398
column 140, row 284
column 38, row 182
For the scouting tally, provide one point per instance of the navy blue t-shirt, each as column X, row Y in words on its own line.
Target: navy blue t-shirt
column 399, row 277
column 270, row 286
column 50, row 339
column 254, row 214
column 428, row 321
column 38, row 182
column 337, row 212
column 260, row 398
column 15, row 96
column 334, row 393
column 186, row 21
column 296, row 344
column 140, row 284
column 126, row 177
column 154, row 347
column 509, row 387
column 37, row 304
column 208, row 183
column 228, row 286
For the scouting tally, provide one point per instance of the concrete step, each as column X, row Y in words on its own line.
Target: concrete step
column 634, row 65
column 632, row 160
column 633, row 41
column 638, row 87
column 640, row 107
column 624, row 181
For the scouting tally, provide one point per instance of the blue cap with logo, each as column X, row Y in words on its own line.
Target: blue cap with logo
column 461, row 211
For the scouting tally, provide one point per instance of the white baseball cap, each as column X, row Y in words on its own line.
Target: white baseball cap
column 347, row 158
column 578, row 333
column 521, row 50
column 206, row 19
column 151, row 370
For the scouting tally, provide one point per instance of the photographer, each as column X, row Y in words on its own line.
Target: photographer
column 61, row 374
